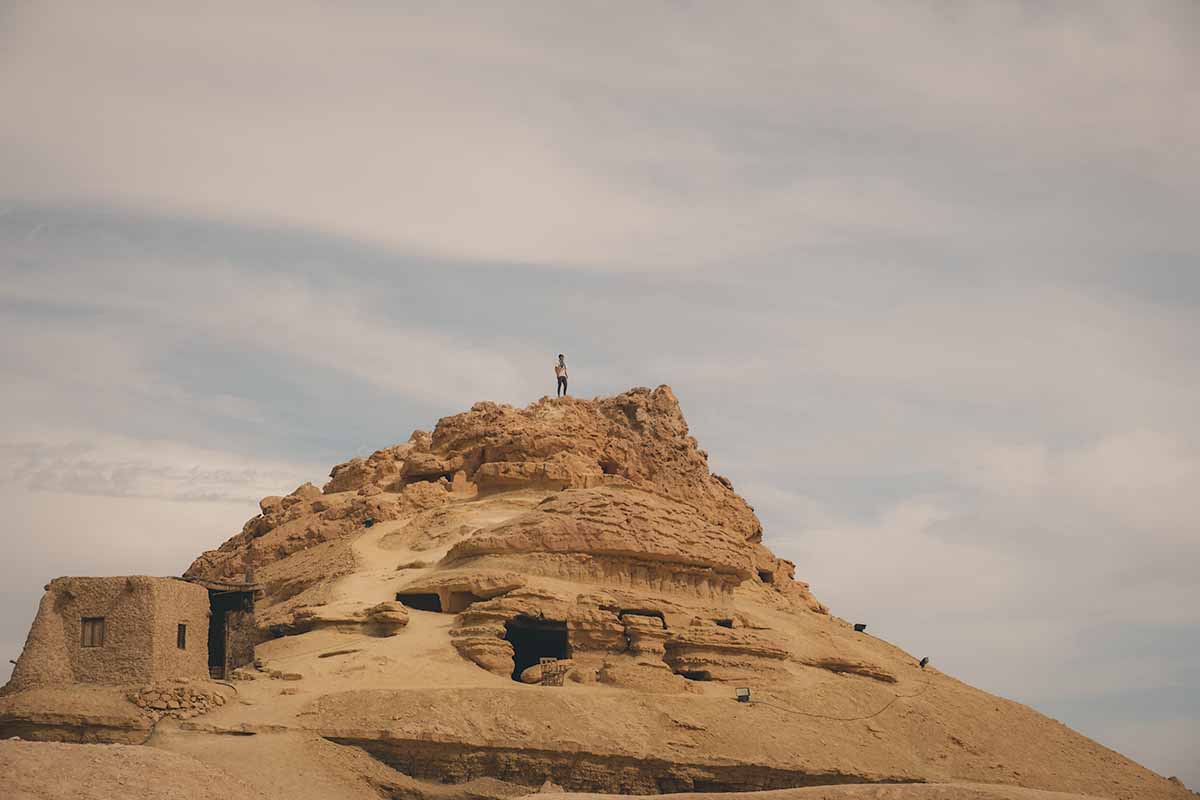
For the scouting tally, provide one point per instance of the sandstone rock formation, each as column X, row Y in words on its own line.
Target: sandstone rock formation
column 566, row 593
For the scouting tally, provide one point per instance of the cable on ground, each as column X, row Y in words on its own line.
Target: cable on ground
column 290, row 656
column 889, row 704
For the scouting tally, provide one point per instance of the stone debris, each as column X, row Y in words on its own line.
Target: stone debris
column 179, row 699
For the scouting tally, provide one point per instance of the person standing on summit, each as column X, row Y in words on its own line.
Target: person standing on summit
column 560, row 372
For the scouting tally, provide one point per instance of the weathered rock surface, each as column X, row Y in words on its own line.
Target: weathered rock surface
column 591, row 534
column 565, row 593
column 297, row 546
column 382, row 619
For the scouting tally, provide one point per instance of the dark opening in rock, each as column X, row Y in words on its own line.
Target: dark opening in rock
column 724, row 623
column 421, row 601
column 642, row 612
column 432, row 477
column 766, row 577
column 533, row 639
column 696, row 675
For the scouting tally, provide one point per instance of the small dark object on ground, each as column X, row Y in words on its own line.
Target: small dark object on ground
column 924, row 661
column 860, row 626
column 368, row 522
column 340, row 652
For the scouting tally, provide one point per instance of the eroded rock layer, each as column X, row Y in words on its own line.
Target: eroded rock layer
column 565, row 594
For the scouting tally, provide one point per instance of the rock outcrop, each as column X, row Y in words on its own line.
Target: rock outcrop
column 565, row 593
column 633, row 502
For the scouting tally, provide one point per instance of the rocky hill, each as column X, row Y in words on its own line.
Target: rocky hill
column 565, row 593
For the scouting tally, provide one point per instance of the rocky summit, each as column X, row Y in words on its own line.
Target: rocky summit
column 560, row 598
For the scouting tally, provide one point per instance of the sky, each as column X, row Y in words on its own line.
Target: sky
column 925, row 277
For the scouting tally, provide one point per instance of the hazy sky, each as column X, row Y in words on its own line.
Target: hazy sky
column 925, row 277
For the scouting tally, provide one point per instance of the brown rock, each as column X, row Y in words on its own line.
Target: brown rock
column 306, row 491
column 593, row 530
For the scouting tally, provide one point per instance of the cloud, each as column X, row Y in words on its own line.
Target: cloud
column 107, row 465
column 679, row 139
column 1140, row 476
column 923, row 280
column 280, row 313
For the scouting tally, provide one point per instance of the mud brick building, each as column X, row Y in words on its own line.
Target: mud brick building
column 135, row 629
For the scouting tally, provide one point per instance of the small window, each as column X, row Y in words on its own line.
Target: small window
column 181, row 637
column 93, row 632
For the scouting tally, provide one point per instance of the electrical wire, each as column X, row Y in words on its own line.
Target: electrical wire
column 889, row 704
column 291, row 656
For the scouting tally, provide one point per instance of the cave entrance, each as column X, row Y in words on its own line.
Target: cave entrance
column 421, row 601
column 695, row 675
column 533, row 639
column 642, row 612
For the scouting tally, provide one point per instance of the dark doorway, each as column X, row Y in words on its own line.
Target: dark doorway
column 230, row 631
column 421, row 602
column 533, row 639
column 642, row 612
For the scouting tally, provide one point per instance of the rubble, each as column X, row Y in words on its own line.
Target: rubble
column 180, row 699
